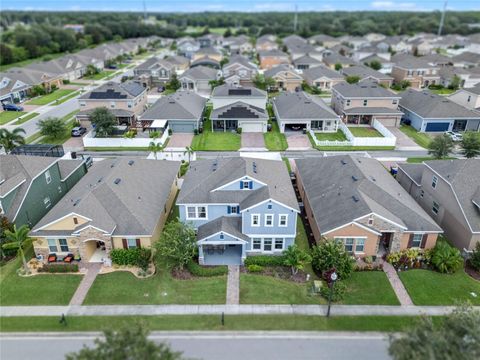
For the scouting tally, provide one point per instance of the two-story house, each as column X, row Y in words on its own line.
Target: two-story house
column 187, row 47
column 31, row 185
column 322, row 77
column 126, row 101
column 418, row 72
column 449, row 190
column 266, row 43
column 239, row 71
column 467, row 97
column 354, row 200
column 364, row 102
column 364, row 73
column 240, row 207
column 154, row 72
column 198, row 79
column 272, row 58
column 285, row 77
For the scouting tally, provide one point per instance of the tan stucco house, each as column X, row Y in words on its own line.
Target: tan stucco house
column 285, row 77
column 119, row 203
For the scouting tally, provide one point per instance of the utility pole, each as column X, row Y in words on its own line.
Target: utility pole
column 442, row 19
column 295, row 19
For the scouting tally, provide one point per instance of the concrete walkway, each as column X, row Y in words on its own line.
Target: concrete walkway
column 155, row 310
column 233, row 285
column 87, row 281
column 397, row 284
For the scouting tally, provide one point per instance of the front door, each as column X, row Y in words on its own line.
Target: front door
column 459, row 125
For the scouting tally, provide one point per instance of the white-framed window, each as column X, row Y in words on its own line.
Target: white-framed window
column 52, row 245
column 365, row 102
column 267, row 244
column 196, row 212
column 47, row 202
column 360, row 245
column 112, row 104
column 417, row 240
column 348, row 242
column 255, row 219
column 394, row 102
column 422, row 193
column 268, row 219
column 202, row 212
column 233, row 209
column 131, row 243
column 130, row 104
column 246, row 184
column 257, row 244
column 48, row 177
column 83, row 103
column 1, row 208
column 434, row 182
column 435, row 207
column 283, row 220
column 63, row 245
column 191, row 212
column 278, row 244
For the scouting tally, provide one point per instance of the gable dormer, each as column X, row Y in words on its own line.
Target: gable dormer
column 244, row 183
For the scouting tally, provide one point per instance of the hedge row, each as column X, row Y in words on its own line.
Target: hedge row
column 265, row 260
column 130, row 257
column 59, row 268
column 206, row 271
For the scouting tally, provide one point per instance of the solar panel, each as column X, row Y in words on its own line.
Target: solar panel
column 108, row 94
column 238, row 112
column 243, row 92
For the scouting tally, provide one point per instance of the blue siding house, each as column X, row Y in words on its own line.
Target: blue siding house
column 240, row 207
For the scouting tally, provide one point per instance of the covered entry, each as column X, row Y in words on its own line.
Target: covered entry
column 95, row 251
column 225, row 254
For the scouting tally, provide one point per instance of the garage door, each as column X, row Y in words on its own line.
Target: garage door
column 437, row 126
column 182, row 128
column 252, row 127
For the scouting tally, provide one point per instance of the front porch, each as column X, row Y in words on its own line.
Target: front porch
column 222, row 254
column 224, row 125
column 359, row 120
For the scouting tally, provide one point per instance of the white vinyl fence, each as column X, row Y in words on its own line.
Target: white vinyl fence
column 89, row 140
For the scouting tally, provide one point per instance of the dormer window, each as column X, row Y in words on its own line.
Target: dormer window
column 269, row 206
column 222, row 236
column 246, row 184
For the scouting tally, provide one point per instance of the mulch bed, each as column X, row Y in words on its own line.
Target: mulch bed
column 182, row 274
column 281, row 272
column 471, row 271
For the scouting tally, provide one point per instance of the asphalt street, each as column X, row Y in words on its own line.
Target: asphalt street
column 216, row 346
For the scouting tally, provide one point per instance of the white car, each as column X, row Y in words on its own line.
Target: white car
column 455, row 136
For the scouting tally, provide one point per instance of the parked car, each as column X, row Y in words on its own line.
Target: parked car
column 78, row 131
column 112, row 67
column 455, row 136
column 11, row 107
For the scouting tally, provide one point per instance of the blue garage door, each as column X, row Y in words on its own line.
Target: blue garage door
column 437, row 126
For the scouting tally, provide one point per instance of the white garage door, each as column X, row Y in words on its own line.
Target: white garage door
column 252, row 127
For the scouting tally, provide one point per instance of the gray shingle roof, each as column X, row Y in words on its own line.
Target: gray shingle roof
column 240, row 60
column 335, row 58
column 229, row 224
column 113, row 90
column 343, row 188
column 300, row 105
column 267, row 53
column 412, row 62
column 364, row 89
column 153, row 63
column 185, row 105
column 68, row 166
column 200, row 73
column 320, row 71
column 365, row 72
column 131, row 207
column 306, row 59
column 238, row 91
column 239, row 110
column 280, row 68
column 414, row 171
column 432, row 106
column 201, row 179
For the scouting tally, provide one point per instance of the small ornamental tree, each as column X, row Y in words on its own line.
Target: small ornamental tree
column 446, row 258
column 440, row 146
column 352, row 79
column 18, row 239
column 296, row 258
column 471, row 144
column 174, row 83
column 338, row 66
column 9, row 140
column 177, row 244
column 375, row 65
column 104, row 121
column 330, row 254
column 52, row 127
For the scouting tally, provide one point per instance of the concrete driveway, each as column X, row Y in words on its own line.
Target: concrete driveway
column 403, row 141
column 180, row 140
column 297, row 140
column 73, row 144
column 253, row 140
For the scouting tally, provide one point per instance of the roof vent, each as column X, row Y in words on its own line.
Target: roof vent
column 99, row 180
column 76, row 202
column 355, row 199
column 354, row 178
column 343, row 162
column 112, row 165
column 117, row 181
column 373, row 179
column 131, row 162
column 254, row 167
column 214, row 165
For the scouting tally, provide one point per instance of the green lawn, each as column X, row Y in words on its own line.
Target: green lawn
column 46, row 99
column 102, row 74
column 369, row 288
column 31, row 139
column 364, row 132
column 432, row 288
column 274, row 139
column 287, row 164
column 215, row 141
column 124, row 288
column 417, row 160
column 54, row 289
column 354, row 148
column 68, row 97
column 422, row 139
column 213, row 322
column 7, row 116
column 112, row 148
column 25, row 118
column 336, row 136
column 444, row 91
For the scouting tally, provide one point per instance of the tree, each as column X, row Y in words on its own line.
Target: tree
column 17, row 239
column 375, row 65
column 178, row 244
column 104, row 121
column 338, row 66
column 224, row 61
column 440, row 146
column 331, row 254
column 52, row 127
column 188, row 151
column 352, row 79
column 5, row 224
column 174, row 83
column 456, row 337
column 130, row 342
column 11, row 139
column 475, row 257
column 214, row 83
column 227, row 33
column 455, row 82
column 296, row 258
column 91, row 70
column 446, row 258
column 471, row 144
column 155, row 147
column 263, row 82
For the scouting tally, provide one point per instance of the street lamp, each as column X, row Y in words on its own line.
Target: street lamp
column 333, row 278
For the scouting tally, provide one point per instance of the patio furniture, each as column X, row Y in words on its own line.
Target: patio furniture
column 52, row 258
column 68, row 258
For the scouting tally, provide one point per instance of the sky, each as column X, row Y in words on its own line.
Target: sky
column 239, row 5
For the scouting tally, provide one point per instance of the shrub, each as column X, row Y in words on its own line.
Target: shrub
column 338, row 291
column 475, row 258
column 130, row 134
column 53, row 87
column 154, row 134
column 206, row 271
column 38, row 90
column 239, row 130
column 332, row 255
column 195, row 131
column 58, row 268
column 445, row 258
column 65, row 81
column 131, row 257
column 254, row 268
column 265, row 260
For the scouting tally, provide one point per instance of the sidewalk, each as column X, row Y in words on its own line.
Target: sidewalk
column 155, row 310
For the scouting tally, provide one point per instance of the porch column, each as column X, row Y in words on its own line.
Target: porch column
column 244, row 252
column 211, row 123
column 200, row 254
column 224, row 125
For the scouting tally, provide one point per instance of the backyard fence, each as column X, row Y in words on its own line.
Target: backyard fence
column 89, row 140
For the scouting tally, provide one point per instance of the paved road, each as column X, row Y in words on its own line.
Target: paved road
column 217, row 346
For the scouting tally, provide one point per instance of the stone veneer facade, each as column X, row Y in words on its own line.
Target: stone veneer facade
column 382, row 226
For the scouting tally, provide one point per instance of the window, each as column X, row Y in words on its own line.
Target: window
column 370, row 220
column 1, row 208
column 75, row 220
column 255, row 220
column 422, row 193
column 360, row 246
column 417, row 240
column 283, row 220
column 59, row 189
column 233, row 209
column 63, row 245
column 202, row 212
column 245, row 184
column 348, row 102
column 394, row 102
column 191, row 212
column 365, row 102
column 435, row 208
column 129, row 104
column 52, row 245
column 349, row 244
column 257, row 244
column 196, row 212
column 434, row 182
column 267, row 244
column 278, row 244
column 469, row 98
column 47, row 202
column 48, row 177
column 131, row 243
column 269, row 206
column 83, row 103
column 269, row 220
column 222, row 237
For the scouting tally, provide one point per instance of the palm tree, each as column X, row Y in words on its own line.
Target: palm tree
column 155, row 148
column 18, row 238
column 11, row 139
column 189, row 151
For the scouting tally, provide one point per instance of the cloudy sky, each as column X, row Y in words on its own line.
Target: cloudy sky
column 239, row 5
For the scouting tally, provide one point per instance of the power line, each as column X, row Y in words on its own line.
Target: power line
column 442, row 19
